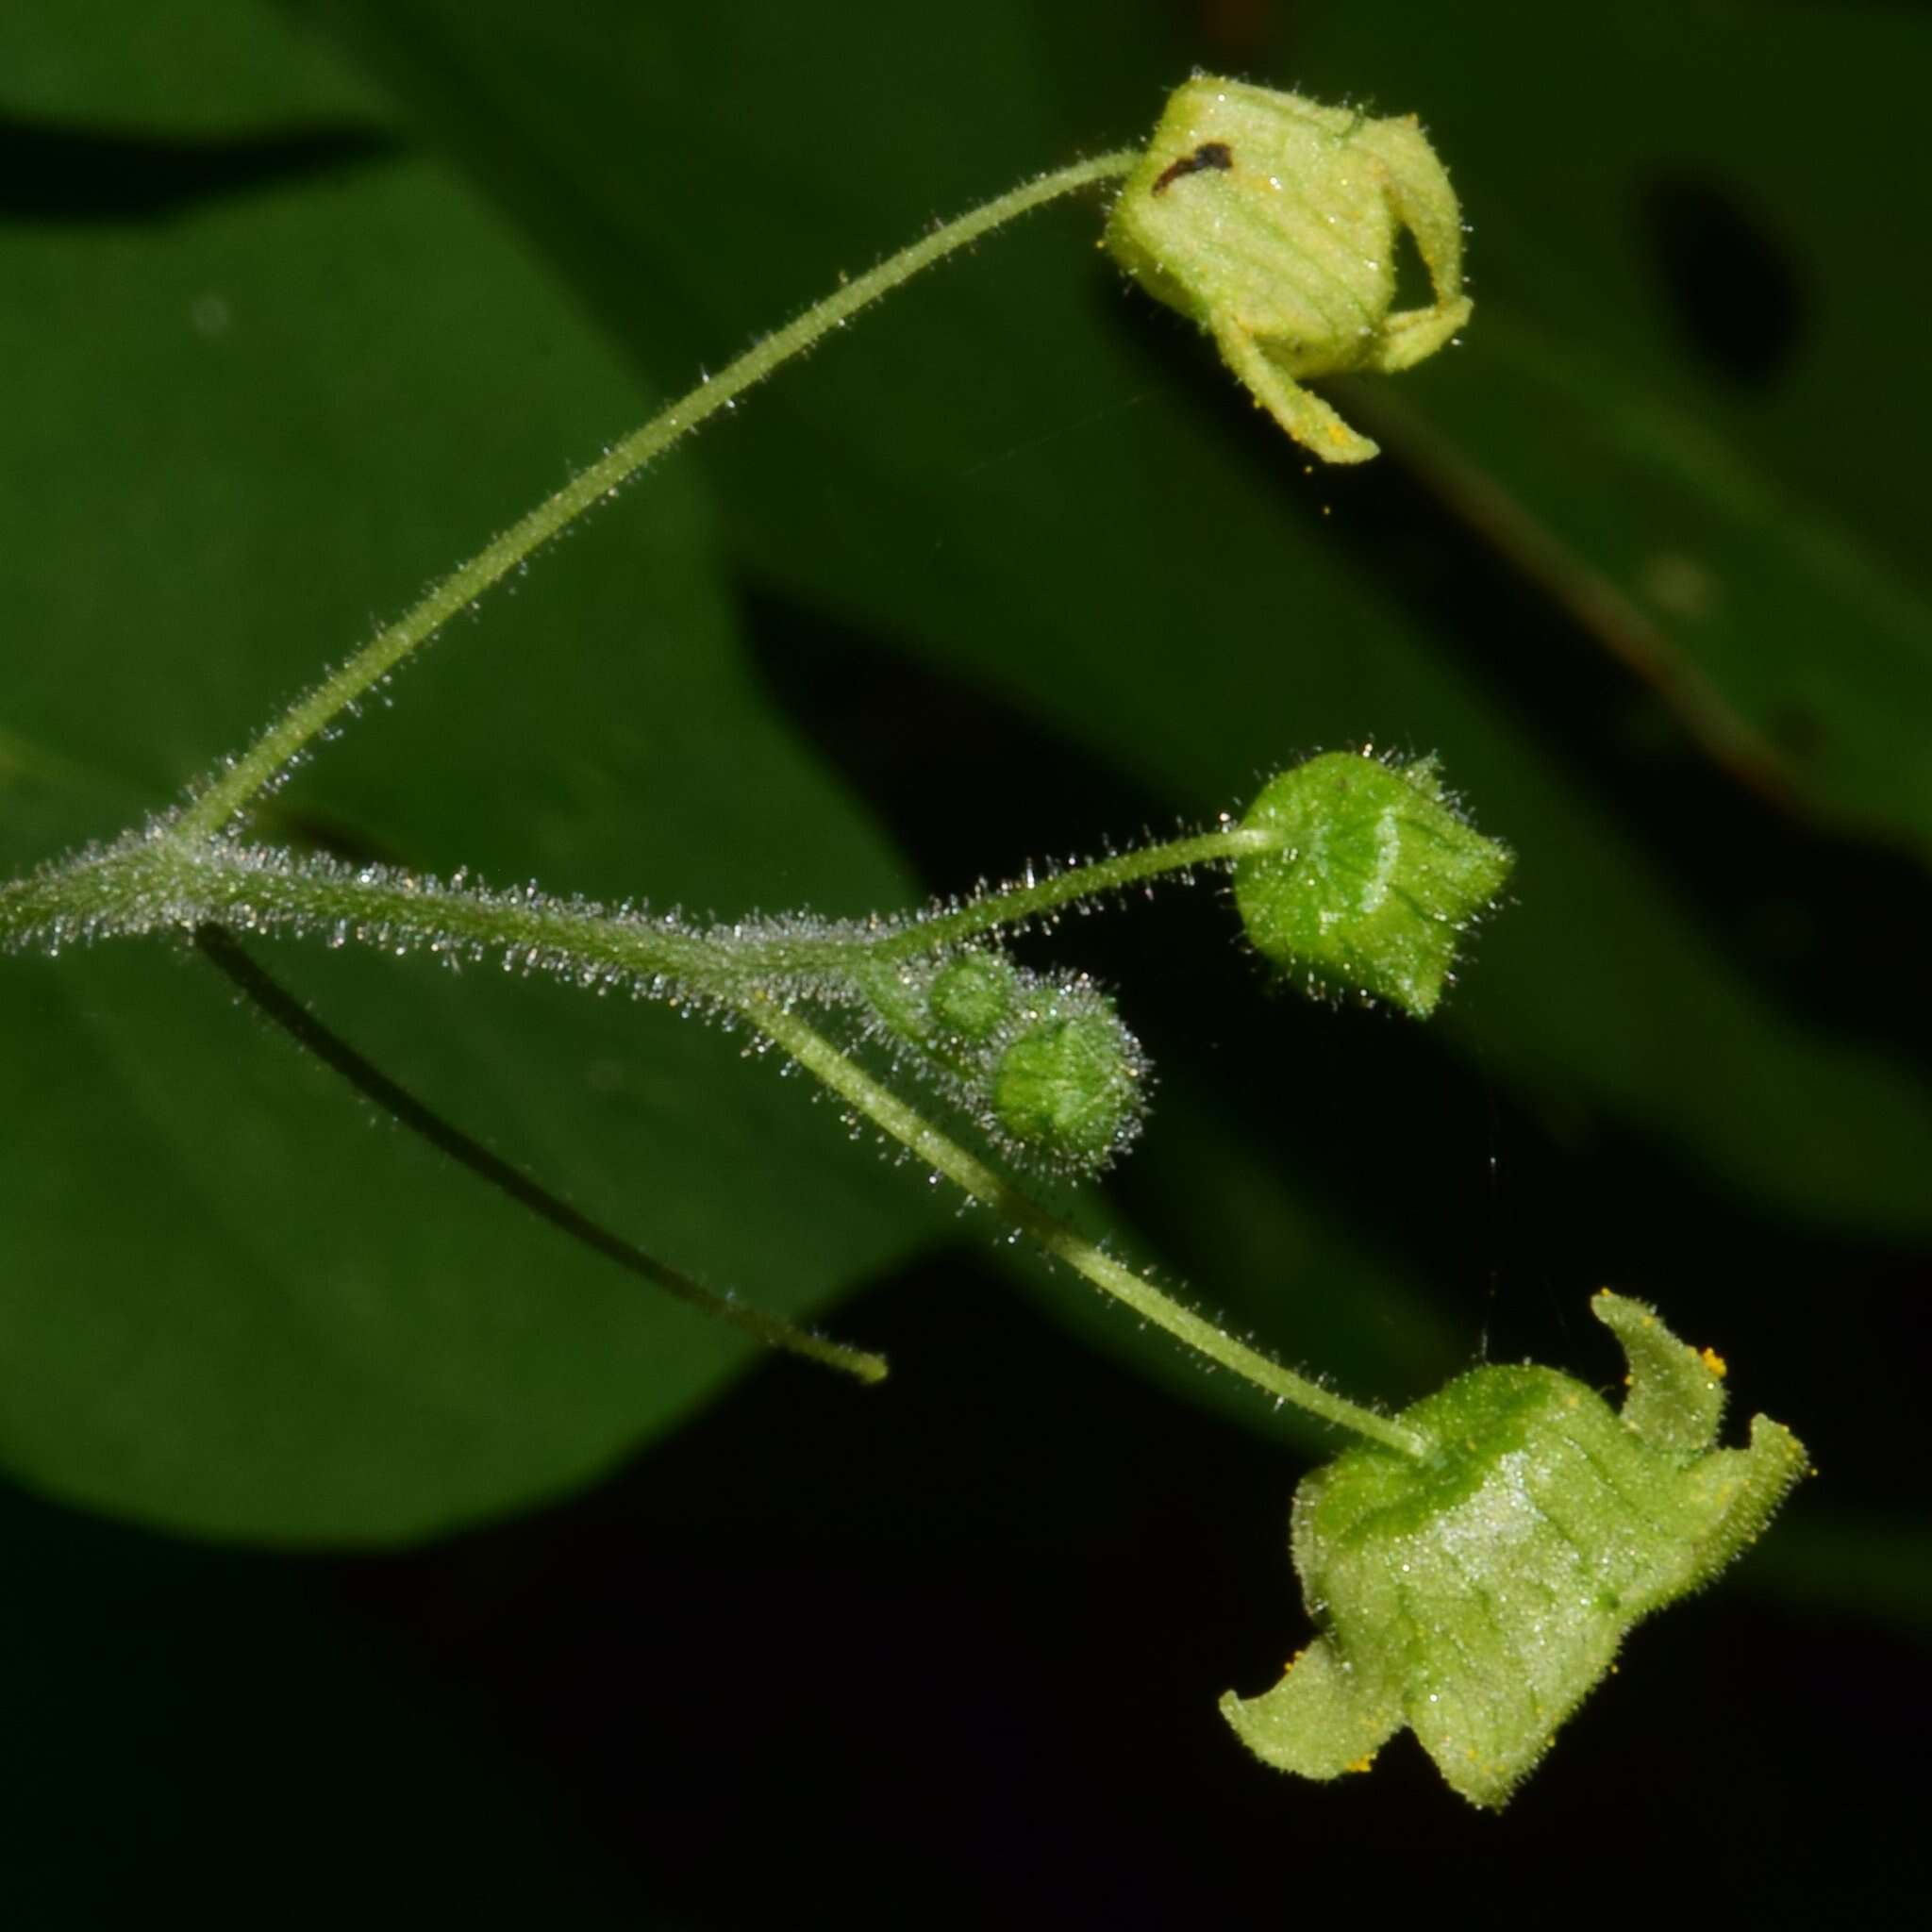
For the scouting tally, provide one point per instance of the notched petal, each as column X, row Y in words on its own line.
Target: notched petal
column 1675, row 1393
column 1319, row 1721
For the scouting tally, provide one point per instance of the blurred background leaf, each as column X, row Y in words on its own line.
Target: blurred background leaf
column 1010, row 569
column 1693, row 408
column 274, row 410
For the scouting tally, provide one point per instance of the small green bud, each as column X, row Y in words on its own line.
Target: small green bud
column 973, row 992
column 1477, row 1593
column 1272, row 221
column 947, row 1007
column 1069, row 1085
column 1376, row 880
column 1041, row 1062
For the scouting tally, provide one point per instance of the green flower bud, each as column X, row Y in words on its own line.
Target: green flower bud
column 1376, row 880
column 948, row 1007
column 1272, row 221
column 972, row 994
column 1069, row 1086
column 1042, row 1063
column 1477, row 1593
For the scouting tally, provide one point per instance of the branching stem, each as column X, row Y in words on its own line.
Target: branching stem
column 189, row 872
column 169, row 881
column 913, row 1131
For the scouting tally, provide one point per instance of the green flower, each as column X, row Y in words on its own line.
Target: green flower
column 1477, row 1593
column 1273, row 221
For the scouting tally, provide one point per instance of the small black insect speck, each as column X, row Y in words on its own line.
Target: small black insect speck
column 1211, row 153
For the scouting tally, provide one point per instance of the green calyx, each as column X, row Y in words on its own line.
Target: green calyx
column 1376, row 878
column 1273, row 221
column 1477, row 1594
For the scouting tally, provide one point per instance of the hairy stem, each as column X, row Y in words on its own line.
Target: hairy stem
column 912, row 1130
column 311, row 714
column 1014, row 905
column 165, row 881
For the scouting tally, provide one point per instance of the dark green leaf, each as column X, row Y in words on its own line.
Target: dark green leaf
column 1692, row 401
